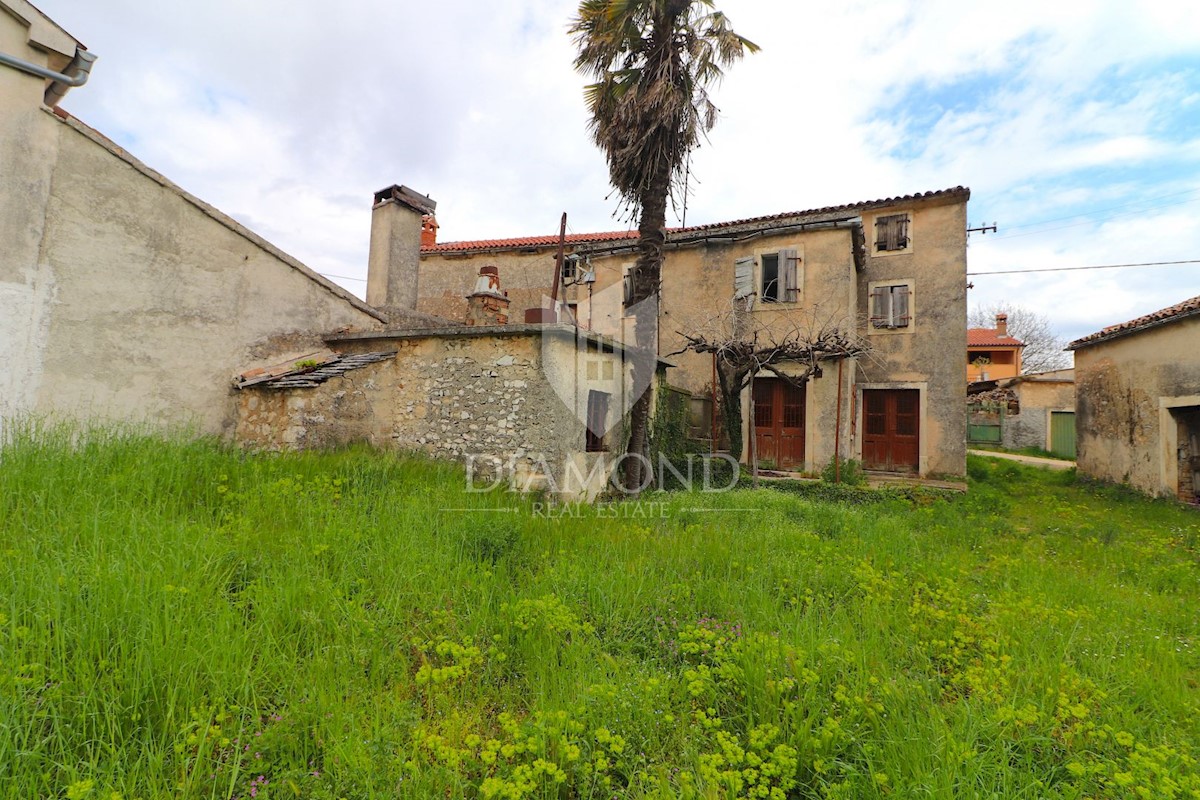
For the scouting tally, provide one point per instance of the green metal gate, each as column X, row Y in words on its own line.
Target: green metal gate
column 1062, row 433
column 985, row 423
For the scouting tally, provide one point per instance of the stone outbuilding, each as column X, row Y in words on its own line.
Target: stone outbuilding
column 1138, row 402
column 1036, row 410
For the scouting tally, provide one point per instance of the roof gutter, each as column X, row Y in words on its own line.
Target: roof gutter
column 80, row 70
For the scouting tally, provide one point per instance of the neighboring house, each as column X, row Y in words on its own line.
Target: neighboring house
column 121, row 295
column 1036, row 409
column 891, row 271
column 1138, row 402
column 992, row 353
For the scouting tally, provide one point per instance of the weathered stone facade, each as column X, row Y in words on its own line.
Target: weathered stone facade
column 489, row 397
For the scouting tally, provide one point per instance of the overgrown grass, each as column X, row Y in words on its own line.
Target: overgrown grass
column 182, row 620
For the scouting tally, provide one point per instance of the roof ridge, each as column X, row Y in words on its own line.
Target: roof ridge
column 551, row 239
column 1184, row 308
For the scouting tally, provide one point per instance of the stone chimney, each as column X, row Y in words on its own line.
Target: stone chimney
column 1002, row 325
column 429, row 228
column 395, row 255
column 487, row 305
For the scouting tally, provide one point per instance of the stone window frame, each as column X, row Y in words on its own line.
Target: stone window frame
column 911, row 326
column 872, row 232
column 781, row 252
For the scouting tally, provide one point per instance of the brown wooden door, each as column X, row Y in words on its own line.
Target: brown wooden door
column 779, row 423
column 891, row 429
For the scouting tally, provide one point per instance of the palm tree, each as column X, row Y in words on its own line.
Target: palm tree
column 653, row 62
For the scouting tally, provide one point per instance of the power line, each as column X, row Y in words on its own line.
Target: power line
column 1109, row 210
column 343, row 277
column 1097, row 217
column 1098, row 266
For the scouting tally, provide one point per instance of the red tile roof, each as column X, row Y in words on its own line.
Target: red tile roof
column 593, row 238
column 987, row 337
column 1178, row 311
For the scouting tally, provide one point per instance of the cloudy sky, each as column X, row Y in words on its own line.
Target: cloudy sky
column 1075, row 124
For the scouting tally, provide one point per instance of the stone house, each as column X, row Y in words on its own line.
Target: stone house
column 1137, row 402
column 992, row 353
column 891, row 271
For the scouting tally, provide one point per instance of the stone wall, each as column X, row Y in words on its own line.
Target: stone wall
column 482, row 399
column 122, row 297
column 1037, row 399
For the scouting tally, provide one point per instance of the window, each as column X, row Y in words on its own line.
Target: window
column 778, row 277
column 891, row 232
column 570, row 268
column 627, row 282
column 890, row 306
column 597, row 421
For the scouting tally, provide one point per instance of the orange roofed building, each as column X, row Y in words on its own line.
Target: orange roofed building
column 992, row 353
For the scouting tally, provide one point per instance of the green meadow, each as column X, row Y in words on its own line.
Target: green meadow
column 179, row 619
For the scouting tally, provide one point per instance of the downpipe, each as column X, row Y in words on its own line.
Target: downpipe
column 76, row 75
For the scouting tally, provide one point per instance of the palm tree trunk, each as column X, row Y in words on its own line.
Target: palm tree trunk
column 644, row 301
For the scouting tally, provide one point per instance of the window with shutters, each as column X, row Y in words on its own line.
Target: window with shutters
column 892, row 233
column 891, row 305
column 772, row 277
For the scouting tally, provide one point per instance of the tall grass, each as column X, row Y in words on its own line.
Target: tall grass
column 181, row 619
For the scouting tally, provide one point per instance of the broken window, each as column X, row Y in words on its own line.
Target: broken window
column 891, row 232
column 597, row 421
column 778, row 278
column 890, row 306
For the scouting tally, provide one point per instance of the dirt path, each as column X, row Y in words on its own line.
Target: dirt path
column 1037, row 461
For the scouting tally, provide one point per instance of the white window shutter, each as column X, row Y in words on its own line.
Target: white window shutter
column 900, row 316
column 743, row 277
column 790, row 260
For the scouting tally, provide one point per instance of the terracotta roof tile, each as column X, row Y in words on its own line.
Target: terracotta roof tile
column 1178, row 311
column 987, row 337
column 592, row 238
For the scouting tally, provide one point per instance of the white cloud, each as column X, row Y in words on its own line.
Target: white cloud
column 289, row 115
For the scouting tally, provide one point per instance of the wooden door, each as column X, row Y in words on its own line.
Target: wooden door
column 891, row 429
column 779, row 423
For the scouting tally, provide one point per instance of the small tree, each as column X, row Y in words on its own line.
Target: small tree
column 1043, row 349
column 793, row 347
